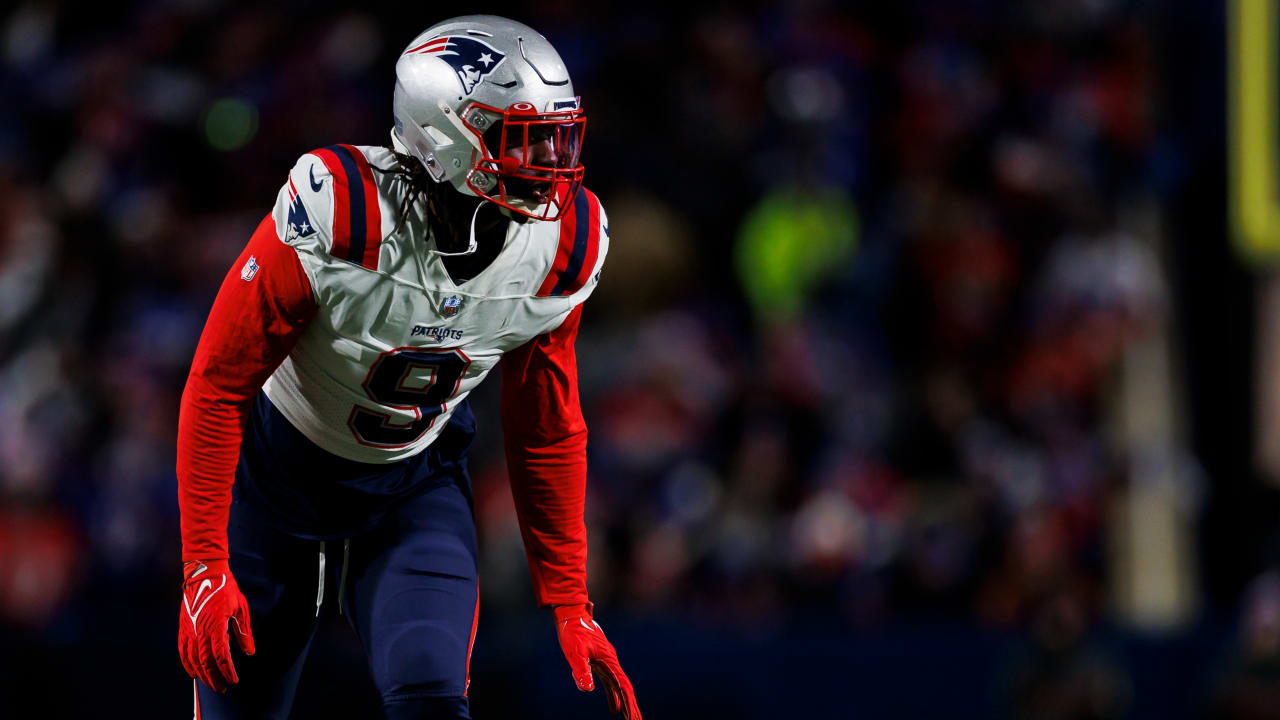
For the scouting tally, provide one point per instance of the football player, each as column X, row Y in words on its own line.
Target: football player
column 322, row 447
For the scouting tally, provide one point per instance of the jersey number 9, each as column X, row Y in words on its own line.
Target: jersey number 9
column 414, row 379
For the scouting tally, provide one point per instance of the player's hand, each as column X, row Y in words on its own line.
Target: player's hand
column 587, row 649
column 211, row 601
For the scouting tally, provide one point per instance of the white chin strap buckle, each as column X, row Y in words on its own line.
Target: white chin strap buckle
column 473, row 245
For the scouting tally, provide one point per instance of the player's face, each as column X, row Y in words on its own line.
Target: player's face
column 540, row 152
column 533, row 151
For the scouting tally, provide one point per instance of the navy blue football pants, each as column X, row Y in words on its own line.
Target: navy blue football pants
column 407, row 585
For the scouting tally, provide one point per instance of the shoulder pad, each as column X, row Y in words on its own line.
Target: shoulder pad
column 331, row 193
column 584, row 242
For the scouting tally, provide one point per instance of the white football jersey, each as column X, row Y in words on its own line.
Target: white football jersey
column 396, row 344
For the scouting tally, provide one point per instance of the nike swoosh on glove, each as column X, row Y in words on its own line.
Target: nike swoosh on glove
column 587, row 649
column 211, row 601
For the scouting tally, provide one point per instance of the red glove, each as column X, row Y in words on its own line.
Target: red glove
column 587, row 649
column 210, row 601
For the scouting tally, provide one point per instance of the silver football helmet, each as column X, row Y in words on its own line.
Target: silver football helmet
column 486, row 104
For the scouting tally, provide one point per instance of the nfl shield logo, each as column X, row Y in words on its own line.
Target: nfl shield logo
column 450, row 306
column 250, row 269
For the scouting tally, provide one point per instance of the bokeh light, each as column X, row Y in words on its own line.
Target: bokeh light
column 230, row 123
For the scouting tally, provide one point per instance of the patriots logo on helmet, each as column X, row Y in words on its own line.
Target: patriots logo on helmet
column 470, row 59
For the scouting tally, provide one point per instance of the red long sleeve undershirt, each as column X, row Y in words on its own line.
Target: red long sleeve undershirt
column 546, row 443
column 251, row 329
column 255, row 323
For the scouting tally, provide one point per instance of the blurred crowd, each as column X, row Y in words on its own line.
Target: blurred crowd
column 872, row 276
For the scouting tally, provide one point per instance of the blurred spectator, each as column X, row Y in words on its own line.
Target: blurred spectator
column 1248, row 686
column 1062, row 676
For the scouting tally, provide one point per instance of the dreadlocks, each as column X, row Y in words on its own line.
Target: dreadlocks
column 449, row 215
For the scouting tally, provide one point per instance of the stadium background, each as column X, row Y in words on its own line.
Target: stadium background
column 924, row 380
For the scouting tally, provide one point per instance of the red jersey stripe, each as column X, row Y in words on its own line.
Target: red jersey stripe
column 373, row 212
column 593, row 244
column 341, row 230
column 568, row 228
column 471, row 644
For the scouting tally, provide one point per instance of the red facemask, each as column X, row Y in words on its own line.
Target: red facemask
column 529, row 162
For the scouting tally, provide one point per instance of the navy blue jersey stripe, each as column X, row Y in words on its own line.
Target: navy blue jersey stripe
column 581, row 235
column 355, row 197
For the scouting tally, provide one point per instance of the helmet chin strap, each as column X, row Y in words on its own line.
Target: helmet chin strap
column 472, row 246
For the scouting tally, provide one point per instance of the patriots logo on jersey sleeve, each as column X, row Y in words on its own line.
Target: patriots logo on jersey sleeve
column 299, row 224
column 470, row 59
